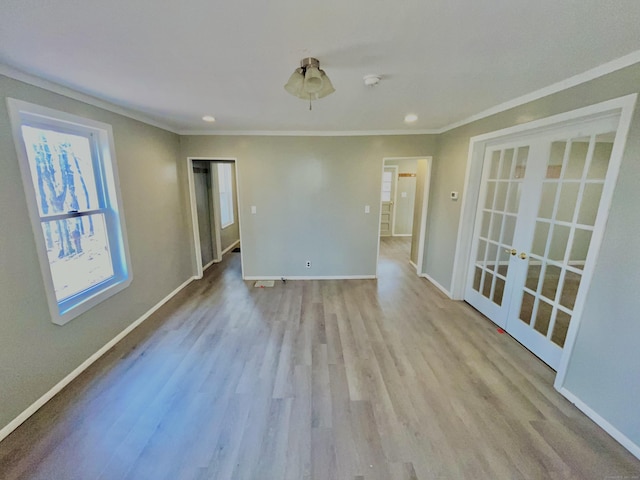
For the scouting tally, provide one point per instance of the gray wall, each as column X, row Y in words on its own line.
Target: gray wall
column 35, row 354
column 605, row 365
column 310, row 194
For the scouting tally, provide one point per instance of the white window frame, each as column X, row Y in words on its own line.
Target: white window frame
column 225, row 187
column 103, row 154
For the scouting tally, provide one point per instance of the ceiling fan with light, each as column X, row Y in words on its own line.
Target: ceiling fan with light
column 309, row 82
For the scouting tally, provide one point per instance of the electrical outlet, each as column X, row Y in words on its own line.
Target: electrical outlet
column 308, row 264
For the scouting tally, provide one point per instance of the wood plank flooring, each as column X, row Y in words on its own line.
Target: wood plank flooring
column 352, row 379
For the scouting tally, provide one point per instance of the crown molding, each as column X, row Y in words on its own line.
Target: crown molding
column 308, row 133
column 584, row 77
column 599, row 71
column 19, row 75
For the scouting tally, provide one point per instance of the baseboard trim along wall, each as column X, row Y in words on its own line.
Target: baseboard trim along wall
column 318, row 277
column 602, row 423
column 35, row 406
column 233, row 245
column 437, row 285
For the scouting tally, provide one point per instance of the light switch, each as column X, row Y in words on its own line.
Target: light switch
column 253, row 209
column 367, row 209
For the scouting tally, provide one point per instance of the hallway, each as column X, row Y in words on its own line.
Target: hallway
column 335, row 379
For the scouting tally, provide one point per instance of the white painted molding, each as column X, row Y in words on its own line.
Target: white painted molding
column 412, row 263
column 309, row 133
column 401, row 235
column 21, row 76
column 305, row 277
column 231, row 247
column 584, row 77
column 625, row 441
column 35, row 406
column 473, row 173
column 436, row 284
column 209, row 264
column 591, row 74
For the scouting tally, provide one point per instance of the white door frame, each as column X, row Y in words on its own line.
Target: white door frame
column 623, row 105
column 195, row 232
column 423, row 219
column 422, row 238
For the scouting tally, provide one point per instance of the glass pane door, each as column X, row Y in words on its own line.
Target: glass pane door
column 504, row 170
column 568, row 206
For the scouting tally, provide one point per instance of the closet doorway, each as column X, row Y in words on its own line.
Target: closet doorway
column 213, row 196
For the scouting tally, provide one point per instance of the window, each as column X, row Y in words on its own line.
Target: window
column 70, row 180
column 226, row 194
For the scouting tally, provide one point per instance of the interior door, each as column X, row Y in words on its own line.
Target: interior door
column 541, row 202
column 389, row 178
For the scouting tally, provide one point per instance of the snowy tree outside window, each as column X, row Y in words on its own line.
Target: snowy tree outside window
column 72, row 195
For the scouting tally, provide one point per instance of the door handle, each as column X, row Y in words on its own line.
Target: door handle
column 523, row 255
column 513, row 251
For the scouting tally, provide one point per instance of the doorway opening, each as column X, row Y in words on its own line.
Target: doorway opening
column 404, row 196
column 213, row 194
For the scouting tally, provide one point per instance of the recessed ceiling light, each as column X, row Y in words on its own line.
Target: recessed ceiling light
column 412, row 117
column 208, row 118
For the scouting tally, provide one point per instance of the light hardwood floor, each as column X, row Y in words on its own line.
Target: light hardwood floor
column 353, row 379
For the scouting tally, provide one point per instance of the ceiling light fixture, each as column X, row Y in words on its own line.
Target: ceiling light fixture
column 309, row 82
column 371, row 80
column 208, row 118
column 410, row 118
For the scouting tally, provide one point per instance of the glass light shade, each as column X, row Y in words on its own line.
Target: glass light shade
column 312, row 80
column 327, row 87
column 295, row 84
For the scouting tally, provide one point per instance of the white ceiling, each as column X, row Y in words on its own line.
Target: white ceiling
column 445, row 60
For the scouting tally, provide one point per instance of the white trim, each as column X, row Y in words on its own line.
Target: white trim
column 82, row 97
column 474, row 170
column 422, row 238
column 231, row 247
column 216, row 214
column 591, row 74
column 310, row 133
column 18, row 110
column 402, row 235
column 414, row 266
column 625, row 441
column 194, row 214
column 584, row 77
column 209, row 264
column 35, row 406
column 317, row 277
column 195, row 229
column 627, row 108
column 436, row 284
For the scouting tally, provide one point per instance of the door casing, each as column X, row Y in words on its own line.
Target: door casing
column 623, row 105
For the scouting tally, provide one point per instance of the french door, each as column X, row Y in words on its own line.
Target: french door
column 539, row 205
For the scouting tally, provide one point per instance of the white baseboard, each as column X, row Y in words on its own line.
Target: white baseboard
column 402, row 235
column 231, row 247
column 317, row 277
column 437, row 285
column 601, row 422
column 414, row 265
column 209, row 264
column 35, row 406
